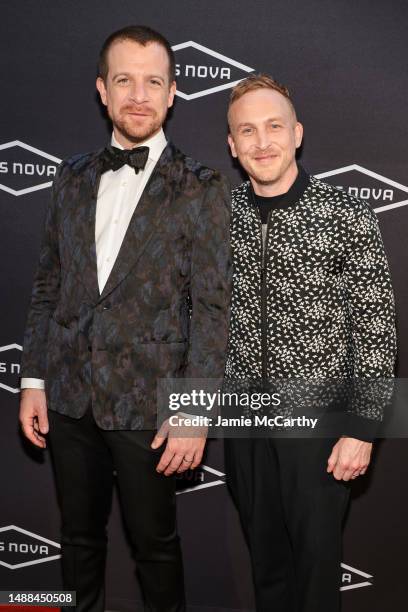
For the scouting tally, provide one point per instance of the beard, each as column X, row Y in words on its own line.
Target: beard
column 280, row 177
column 137, row 131
column 271, row 180
column 269, row 175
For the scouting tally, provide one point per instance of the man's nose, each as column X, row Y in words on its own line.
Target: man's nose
column 263, row 139
column 138, row 92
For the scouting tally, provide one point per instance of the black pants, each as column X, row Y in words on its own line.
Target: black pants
column 84, row 459
column 291, row 511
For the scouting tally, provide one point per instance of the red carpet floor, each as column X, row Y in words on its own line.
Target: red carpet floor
column 28, row 608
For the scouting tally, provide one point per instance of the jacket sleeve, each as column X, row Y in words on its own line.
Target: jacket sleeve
column 210, row 284
column 44, row 294
column 371, row 309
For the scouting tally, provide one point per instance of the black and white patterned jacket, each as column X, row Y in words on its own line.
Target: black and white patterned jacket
column 320, row 303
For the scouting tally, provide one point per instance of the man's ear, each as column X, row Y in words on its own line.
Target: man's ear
column 298, row 134
column 232, row 146
column 172, row 93
column 100, row 86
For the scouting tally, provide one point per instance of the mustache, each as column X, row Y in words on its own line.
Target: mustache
column 269, row 151
column 266, row 150
column 133, row 108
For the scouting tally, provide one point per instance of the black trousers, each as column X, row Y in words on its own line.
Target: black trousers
column 291, row 512
column 84, row 458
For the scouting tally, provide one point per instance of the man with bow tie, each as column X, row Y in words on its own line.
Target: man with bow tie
column 133, row 285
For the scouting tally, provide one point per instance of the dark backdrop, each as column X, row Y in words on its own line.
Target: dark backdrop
column 345, row 64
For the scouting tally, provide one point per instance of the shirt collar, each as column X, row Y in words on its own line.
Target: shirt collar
column 156, row 144
column 294, row 194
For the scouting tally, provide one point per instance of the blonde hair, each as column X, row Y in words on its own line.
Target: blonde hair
column 258, row 81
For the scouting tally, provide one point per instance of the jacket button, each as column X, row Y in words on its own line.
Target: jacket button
column 106, row 306
column 90, row 348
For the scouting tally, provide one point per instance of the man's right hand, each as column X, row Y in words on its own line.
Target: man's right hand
column 33, row 416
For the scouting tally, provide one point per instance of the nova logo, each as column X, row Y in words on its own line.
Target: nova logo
column 10, row 367
column 353, row 578
column 19, row 548
column 382, row 193
column 201, row 71
column 200, row 478
column 24, row 169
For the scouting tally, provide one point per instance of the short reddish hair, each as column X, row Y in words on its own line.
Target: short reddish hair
column 138, row 34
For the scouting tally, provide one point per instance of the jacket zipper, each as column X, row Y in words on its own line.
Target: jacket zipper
column 264, row 320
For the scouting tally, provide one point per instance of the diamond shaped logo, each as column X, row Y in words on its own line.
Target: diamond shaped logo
column 353, row 578
column 381, row 192
column 202, row 477
column 20, row 548
column 10, row 367
column 200, row 71
column 24, row 168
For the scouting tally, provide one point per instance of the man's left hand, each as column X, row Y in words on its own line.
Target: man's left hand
column 349, row 458
column 184, row 448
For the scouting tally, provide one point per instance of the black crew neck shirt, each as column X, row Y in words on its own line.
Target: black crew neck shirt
column 284, row 200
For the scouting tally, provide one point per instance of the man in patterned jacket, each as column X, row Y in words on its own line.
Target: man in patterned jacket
column 312, row 299
column 133, row 285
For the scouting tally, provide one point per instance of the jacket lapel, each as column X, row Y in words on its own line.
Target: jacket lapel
column 149, row 212
column 84, row 253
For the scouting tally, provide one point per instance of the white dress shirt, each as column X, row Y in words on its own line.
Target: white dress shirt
column 118, row 195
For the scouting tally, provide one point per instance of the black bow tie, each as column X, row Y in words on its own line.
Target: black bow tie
column 114, row 158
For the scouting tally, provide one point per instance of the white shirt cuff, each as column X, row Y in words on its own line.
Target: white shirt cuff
column 31, row 383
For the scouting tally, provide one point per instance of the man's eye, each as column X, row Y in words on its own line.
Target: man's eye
column 275, row 126
column 123, row 80
column 246, row 131
column 155, row 82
